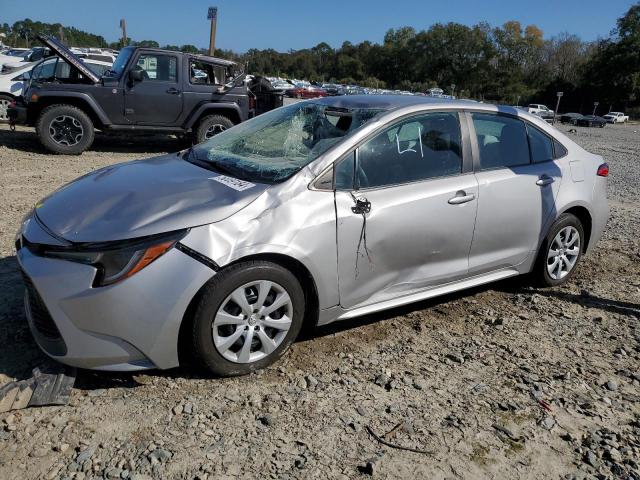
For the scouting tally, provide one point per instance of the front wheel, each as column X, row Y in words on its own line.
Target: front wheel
column 65, row 129
column 247, row 317
column 560, row 252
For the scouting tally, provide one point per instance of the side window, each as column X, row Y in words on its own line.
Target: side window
column 344, row 173
column 559, row 149
column 207, row 73
column 502, row 141
column 163, row 68
column 46, row 70
column 541, row 145
column 423, row 147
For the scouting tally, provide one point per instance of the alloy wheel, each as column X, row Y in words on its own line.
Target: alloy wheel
column 252, row 322
column 563, row 253
column 214, row 130
column 4, row 106
column 66, row 130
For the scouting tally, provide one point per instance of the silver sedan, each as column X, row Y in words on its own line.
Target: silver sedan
column 315, row 212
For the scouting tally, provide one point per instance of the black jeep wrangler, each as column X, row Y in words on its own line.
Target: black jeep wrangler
column 147, row 90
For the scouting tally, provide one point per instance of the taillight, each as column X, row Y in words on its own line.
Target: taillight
column 603, row 170
column 252, row 103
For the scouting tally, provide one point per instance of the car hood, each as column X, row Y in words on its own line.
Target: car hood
column 143, row 197
column 68, row 56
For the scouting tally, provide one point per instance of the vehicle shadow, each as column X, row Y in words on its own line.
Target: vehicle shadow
column 25, row 140
column 588, row 300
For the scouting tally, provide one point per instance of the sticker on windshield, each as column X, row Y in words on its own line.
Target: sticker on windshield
column 234, row 183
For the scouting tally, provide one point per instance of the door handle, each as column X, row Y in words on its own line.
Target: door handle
column 461, row 197
column 173, row 91
column 545, row 180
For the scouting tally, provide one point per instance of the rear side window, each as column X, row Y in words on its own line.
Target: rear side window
column 422, row 147
column 502, row 141
column 541, row 145
column 559, row 149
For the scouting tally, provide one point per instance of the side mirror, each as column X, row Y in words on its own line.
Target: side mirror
column 136, row 75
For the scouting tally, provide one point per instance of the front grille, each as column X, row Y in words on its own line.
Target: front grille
column 40, row 316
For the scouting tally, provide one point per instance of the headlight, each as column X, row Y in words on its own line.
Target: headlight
column 116, row 261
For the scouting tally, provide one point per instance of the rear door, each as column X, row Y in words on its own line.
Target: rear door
column 518, row 182
column 157, row 98
column 407, row 224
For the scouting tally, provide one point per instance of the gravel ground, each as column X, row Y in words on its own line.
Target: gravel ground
column 503, row 381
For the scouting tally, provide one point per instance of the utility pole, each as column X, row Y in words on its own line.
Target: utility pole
column 555, row 112
column 123, row 26
column 213, row 16
column 61, row 33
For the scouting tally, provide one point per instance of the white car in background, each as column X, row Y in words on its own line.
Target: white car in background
column 11, row 83
column 616, row 117
column 539, row 109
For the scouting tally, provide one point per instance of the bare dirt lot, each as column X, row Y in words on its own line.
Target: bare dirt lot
column 503, row 381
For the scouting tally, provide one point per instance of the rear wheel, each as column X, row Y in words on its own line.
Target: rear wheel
column 248, row 316
column 210, row 126
column 5, row 100
column 560, row 252
column 65, row 129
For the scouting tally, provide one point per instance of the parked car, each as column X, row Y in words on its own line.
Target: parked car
column 146, row 90
column 589, row 121
column 319, row 211
column 35, row 54
column 569, row 117
column 540, row 109
column 12, row 84
column 309, row 91
column 616, row 117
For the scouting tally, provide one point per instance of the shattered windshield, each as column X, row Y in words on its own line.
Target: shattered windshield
column 273, row 146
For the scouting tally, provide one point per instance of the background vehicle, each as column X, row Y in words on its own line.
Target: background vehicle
column 308, row 91
column 539, row 109
column 12, row 84
column 589, row 121
column 147, row 90
column 616, row 117
column 569, row 117
column 32, row 55
column 319, row 211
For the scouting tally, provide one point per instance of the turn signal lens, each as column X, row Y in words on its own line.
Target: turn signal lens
column 34, row 97
column 149, row 255
column 603, row 170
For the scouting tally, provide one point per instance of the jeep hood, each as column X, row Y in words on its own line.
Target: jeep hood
column 143, row 197
column 68, row 56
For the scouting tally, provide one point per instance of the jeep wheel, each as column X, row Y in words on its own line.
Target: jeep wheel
column 5, row 100
column 210, row 126
column 65, row 129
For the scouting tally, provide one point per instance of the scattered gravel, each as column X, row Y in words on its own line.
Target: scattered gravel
column 504, row 381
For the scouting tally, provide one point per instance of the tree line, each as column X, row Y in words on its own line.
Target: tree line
column 512, row 63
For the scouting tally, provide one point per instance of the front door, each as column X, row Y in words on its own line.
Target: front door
column 518, row 181
column 413, row 224
column 157, row 98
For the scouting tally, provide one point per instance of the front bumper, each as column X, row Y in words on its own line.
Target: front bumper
column 131, row 325
column 17, row 115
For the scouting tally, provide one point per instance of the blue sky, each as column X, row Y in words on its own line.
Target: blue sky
column 295, row 24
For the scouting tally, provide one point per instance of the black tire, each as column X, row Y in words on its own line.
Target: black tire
column 217, row 290
column 5, row 100
column 540, row 273
column 211, row 121
column 79, row 142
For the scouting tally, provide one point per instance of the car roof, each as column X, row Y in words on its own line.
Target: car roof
column 391, row 102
